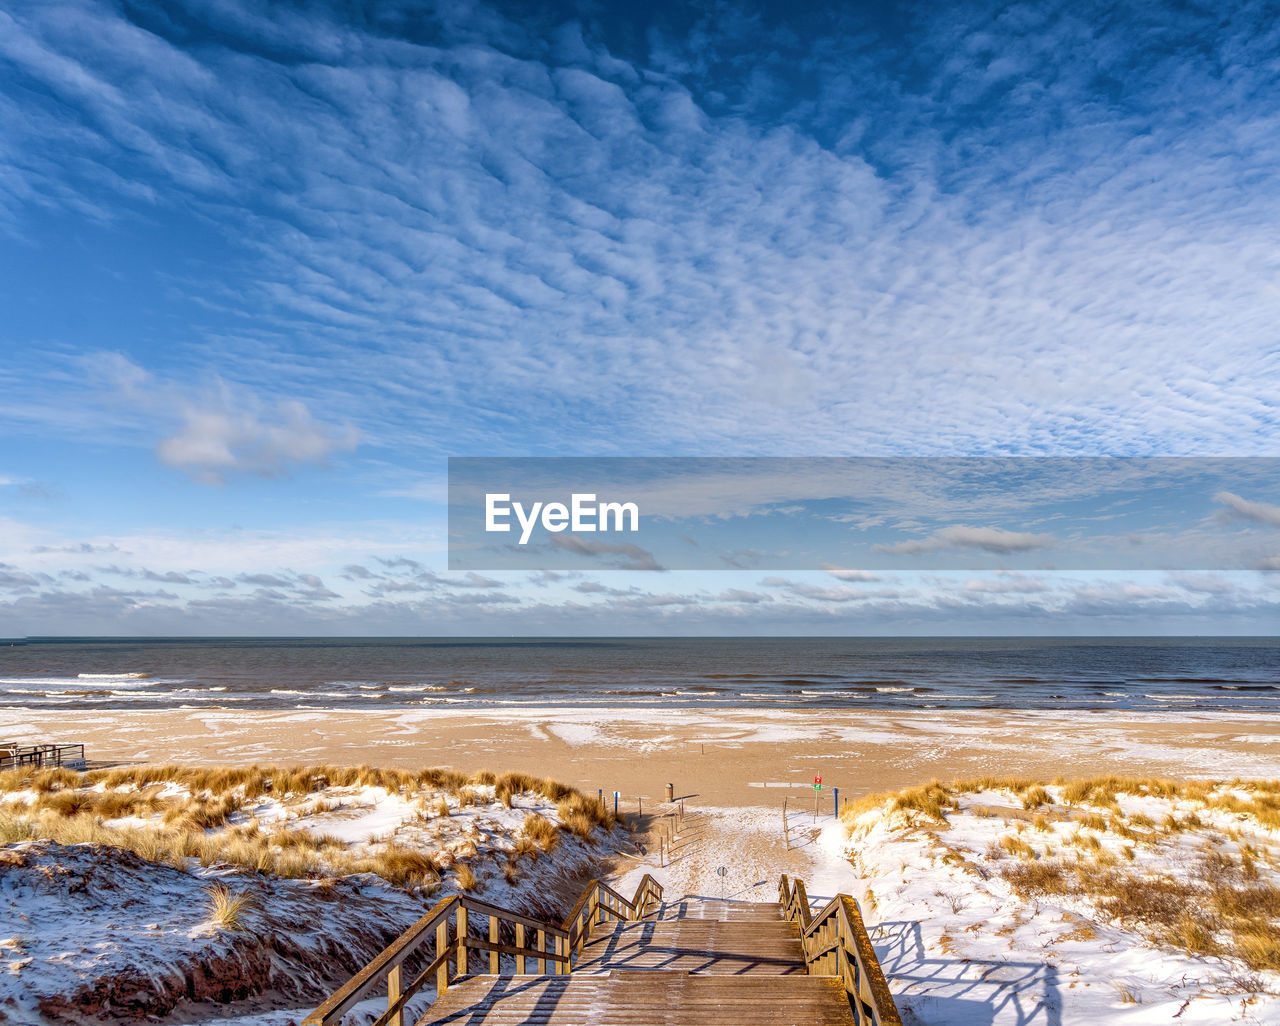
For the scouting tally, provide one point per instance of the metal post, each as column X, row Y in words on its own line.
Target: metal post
column 836, row 791
column 615, row 803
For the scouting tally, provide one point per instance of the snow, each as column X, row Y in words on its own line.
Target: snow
column 960, row 950
column 85, row 924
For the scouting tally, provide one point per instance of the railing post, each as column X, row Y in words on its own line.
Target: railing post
column 462, row 940
column 493, row 939
column 521, row 964
column 393, row 995
column 542, row 949
column 442, row 948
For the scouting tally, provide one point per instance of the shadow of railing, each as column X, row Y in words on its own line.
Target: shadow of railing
column 971, row 990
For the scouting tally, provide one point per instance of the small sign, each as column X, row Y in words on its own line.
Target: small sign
column 817, row 783
column 722, row 871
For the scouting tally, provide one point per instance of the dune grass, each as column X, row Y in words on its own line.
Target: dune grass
column 227, row 910
column 176, row 814
column 1225, row 901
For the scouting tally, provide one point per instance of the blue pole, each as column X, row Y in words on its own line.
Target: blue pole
column 615, row 803
column 836, row 792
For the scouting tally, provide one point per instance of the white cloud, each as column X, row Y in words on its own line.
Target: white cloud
column 987, row 539
column 1260, row 512
column 224, row 429
column 842, row 574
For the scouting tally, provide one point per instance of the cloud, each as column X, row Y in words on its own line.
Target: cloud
column 223, row 429
column 622, row 555
column 740, row 595
column 433, row 237
column 265, row 580
column 472, row 580
column 1244, row 509
column 1009, row 584
column 215, row 440
column 79, row 548
column 987, row 539
column 843, row 574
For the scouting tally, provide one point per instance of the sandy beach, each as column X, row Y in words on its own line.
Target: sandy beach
column 725, row 757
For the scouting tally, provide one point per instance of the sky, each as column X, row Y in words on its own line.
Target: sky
column 264, row 267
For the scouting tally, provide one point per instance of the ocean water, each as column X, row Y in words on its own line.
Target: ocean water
column 1147, row 674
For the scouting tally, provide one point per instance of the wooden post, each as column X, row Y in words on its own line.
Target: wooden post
column 786, row 833
column 521, row 966
column 493, row 939
column 640, row 801
column 671, row 792
column 442, row 948
column 542, row 949
column 393, row 994
column 462, row 940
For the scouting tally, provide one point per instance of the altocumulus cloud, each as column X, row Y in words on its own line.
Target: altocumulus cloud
column 1038, row 227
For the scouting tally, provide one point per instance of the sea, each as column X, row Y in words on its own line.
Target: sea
column 1130, row 674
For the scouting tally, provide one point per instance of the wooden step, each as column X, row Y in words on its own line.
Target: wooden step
column 724, row 911
column 642, row 999
column 703, row 946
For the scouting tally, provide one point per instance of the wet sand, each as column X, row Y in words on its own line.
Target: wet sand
column 725, row 757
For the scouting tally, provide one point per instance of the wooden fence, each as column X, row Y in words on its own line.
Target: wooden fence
column 836, row 943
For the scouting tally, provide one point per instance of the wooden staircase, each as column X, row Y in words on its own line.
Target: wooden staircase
column 638, row 962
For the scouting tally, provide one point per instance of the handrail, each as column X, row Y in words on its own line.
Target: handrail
column 446, row 932
column 835, row 942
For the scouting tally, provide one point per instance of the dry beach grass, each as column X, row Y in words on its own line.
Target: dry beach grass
column 173, row 814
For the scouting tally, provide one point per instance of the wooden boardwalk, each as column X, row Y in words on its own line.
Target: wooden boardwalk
column 692, row 962
column 640, row 961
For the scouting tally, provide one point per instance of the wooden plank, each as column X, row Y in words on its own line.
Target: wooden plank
column 442, row 948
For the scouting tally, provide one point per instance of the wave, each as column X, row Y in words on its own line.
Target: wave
column 113, row 676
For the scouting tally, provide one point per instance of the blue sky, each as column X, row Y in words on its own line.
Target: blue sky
column 264, row 267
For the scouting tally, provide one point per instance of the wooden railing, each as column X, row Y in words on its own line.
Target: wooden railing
column 835, row 943
column 46, row 756
column 447, row 934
